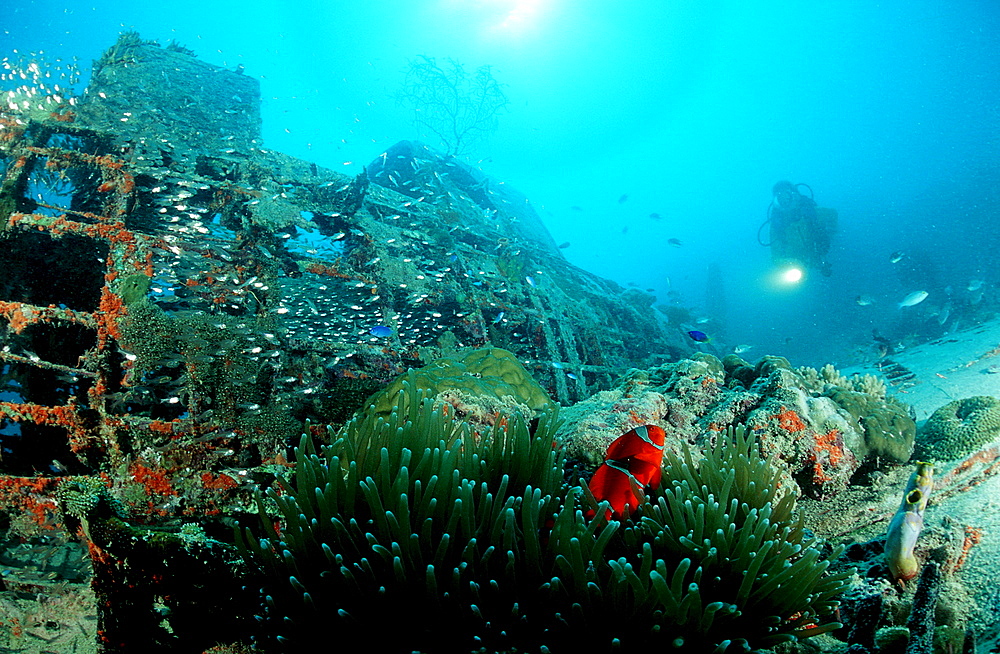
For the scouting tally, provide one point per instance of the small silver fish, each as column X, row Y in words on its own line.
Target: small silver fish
column 740, row 349
column 916, row 297
column 864, row 300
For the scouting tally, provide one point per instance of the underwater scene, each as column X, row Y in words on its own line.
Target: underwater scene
column 523, row 326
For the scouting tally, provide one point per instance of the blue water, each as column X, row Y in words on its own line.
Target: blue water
column 692, row 109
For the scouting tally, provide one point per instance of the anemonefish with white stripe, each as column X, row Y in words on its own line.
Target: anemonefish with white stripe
column 637, row 456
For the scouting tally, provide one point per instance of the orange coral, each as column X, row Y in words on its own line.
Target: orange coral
column 154, row 481
column 32, row 495
column 67, row 116
column 220, row 482
column 163, row 426
column 830, row 444
column 972, row 537
column 17, row 315
column 329, row 271
column 789, row 420
column 111, row 309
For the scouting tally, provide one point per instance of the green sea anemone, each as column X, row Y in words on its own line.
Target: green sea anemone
column 417, row 533
column 720, row 522
column 415, row 521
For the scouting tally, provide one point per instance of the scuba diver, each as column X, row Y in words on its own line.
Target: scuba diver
column 800, row 230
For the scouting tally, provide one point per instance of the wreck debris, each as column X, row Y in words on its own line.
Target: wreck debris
column 177, row 301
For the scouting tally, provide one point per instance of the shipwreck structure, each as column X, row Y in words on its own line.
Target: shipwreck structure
column 178, row 301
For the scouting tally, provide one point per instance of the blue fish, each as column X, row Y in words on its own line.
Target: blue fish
column 381, row 331
column 701, row 337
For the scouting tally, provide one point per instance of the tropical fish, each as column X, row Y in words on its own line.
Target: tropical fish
column 864, row 300
column 576, row 208
column 564, row 245
column 883, row 346
column 699, row 336
column 916, row 297
column 623, row 198
column 635, row 456
column 896, row 257
column 975, row 285
column 740, row 349
column 498, row 318
column 530, row 280
column 943, row 314
column 655, row 216
column 381, row 331
column 676, row 242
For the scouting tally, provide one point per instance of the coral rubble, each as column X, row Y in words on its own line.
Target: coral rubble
column 821, row 425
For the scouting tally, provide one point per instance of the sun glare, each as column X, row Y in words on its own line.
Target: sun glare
column 522, row 15
column 503, row 20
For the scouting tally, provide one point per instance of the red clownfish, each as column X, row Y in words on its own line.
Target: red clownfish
column 635, row 455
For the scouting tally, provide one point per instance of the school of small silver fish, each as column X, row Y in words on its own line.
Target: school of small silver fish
column 31, row 83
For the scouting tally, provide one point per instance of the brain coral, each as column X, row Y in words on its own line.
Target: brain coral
column 488, row 372
column 959, row 428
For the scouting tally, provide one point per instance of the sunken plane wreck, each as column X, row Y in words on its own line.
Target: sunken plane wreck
column 180, row 303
